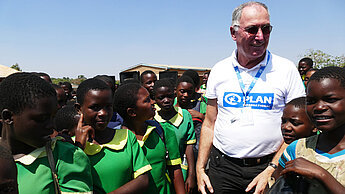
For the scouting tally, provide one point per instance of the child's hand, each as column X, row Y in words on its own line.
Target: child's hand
column 196, row 114
column 303, row 167
column 190, row 184
column 83, row 133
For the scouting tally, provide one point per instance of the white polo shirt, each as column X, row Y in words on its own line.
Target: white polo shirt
column 253, row 131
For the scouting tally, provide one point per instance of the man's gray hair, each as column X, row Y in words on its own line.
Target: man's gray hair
column 236, row 14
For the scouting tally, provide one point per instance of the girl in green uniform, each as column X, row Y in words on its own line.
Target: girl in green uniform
column 181, row 122
column 133, row 103
column 118, row 163
column 28, row 104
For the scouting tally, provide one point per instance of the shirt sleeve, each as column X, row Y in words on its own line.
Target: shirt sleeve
column 139, row 161
column 73, row 169
column 288, row 154
column 190, row 129
column 172, row 147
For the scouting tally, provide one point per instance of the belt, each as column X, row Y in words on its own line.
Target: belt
column 248, row 161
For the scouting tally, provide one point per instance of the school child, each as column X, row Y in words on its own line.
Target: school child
column 66, row 121
column 60, row 95
column 118, row 163
column 322, row 156
column 135, row 106
column 44, row 165
column 115, row 121
column 307, row 76
column 295, row 121
column 148, row 79
column 8, row 171
column 181, row 122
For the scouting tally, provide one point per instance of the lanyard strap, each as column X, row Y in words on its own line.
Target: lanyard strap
column 251, row 86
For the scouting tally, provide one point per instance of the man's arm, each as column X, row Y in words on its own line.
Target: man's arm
column 260, row 181
column 205, row 145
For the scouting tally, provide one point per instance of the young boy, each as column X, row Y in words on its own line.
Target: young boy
column 135, row 106
column 118, row 163
column 66, row 121
column 295, row 121
column 28, row 104
column 148, row 79
column 322, row 156
column 304, row 65
column 181, row 122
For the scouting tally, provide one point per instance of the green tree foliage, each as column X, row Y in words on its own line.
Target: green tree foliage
column 322, row 59
column 75, row 81
column 16, row 67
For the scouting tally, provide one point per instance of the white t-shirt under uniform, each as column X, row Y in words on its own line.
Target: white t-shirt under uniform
column 253, row 131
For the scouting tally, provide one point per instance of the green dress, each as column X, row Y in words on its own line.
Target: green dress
column 72, row 167
column 182, row 125
column 155, row 152
column 117, row 162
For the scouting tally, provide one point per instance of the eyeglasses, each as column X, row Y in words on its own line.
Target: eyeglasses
column 253, row 30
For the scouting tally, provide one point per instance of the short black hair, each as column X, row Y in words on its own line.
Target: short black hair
column 166, row 82
column 67, row 84
column 297, row 102
column 194, row 75
column 90, row 84
column 185, row 78
column 307, row 60
column 21, row 90
column 126, row 96
column 144, row 73
column 333, row 72
column 65, row 118
column 107, row 79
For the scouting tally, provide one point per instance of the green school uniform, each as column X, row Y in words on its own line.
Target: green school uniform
column 72, row 167
column 155, row 152
column 182, row 124
column 117, row 162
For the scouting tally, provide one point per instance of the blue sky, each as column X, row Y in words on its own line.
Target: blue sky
column 89, row 37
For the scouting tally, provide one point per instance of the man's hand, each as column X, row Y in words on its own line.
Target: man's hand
column 260, row 181
column 83, row 132
column 203, row 181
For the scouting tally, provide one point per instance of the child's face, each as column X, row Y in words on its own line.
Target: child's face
column 97, row 108
column 164, row 98
column 326, row 104
column 303, row 67
column 34, row 124
column 144, row 107
column 307, row 77
column 61, row 97
column 295, row 124
column 184, row 93
column 149, row 81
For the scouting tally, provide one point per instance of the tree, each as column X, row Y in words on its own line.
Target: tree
column 322, row 59
column 16, row 67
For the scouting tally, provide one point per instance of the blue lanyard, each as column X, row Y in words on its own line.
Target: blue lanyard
column 258, row 74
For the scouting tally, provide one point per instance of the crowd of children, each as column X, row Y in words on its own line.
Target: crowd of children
column 143, row 136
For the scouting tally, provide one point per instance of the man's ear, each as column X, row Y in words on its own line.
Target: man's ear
column 131, row 112
column 232, row 33
column 7, row 116
column 77, row 106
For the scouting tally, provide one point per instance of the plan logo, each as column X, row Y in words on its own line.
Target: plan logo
column 262, row 101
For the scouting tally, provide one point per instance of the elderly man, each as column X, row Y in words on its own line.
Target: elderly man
column 246, row 96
